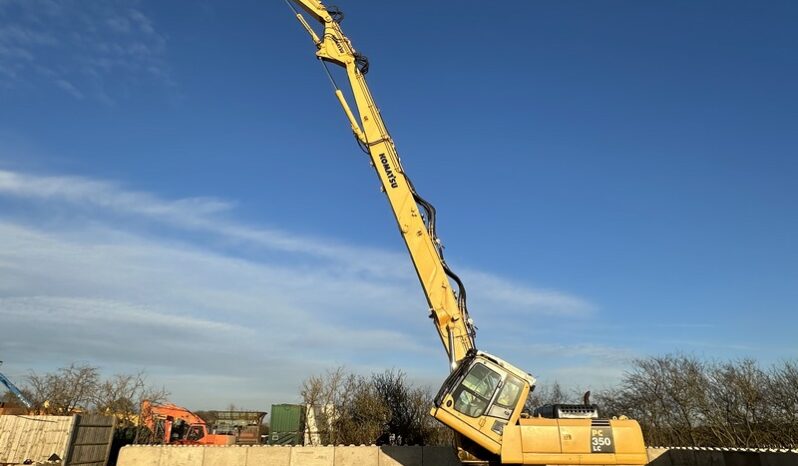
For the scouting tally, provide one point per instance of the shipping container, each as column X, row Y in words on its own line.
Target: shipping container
column 287, row 424
column 286, row 438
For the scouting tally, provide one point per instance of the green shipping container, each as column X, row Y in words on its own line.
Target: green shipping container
column 287, row 424
column 285, row 438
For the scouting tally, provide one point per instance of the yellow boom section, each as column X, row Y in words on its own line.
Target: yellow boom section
column 412, row 213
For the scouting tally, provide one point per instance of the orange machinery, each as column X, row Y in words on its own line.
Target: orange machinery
column 172, row 424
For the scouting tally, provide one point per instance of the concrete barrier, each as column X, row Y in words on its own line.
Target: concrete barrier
column 777, row 459
column 313, row 456
column 400, row 456
column 140, row 456
column 720, row 457
column 277, row 455
column 181, row 456
column 232, row 456
column 439, row 456
column 362, row 454
column 264, row 455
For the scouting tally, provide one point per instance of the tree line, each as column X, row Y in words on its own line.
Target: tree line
column 678, row 400
column 80, row 388
column 383, row 408
column 681, row 400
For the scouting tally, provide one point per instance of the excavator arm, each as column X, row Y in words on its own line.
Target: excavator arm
column 16, row 391
column 414, row 216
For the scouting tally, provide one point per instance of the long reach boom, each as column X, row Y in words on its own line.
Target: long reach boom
column 415, row 216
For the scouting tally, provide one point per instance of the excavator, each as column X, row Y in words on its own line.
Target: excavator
column 483, row 398
column 16, row 392
column 172, row 424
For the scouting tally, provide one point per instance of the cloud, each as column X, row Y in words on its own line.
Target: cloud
column 13, row 33
column 88, row 192
column 579, row 366
column 123, row 300
column 204, row 214
column 85, row 48
column 505, row 293
column 69, row 88
column 127, row 278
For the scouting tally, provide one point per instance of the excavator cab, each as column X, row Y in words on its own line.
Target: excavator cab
column 482, row 396
column 196, row 433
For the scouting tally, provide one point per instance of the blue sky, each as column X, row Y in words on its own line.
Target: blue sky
column 180, row 192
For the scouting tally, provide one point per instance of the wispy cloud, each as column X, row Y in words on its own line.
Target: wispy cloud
column 516, row 295
column 580, row 366
column 111, row 279
column 121, row 299
column 207, row 215
column 104, row 194
column 69, row 88
column 84, row 48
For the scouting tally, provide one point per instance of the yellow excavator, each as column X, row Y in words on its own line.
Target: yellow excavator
column 483, row 398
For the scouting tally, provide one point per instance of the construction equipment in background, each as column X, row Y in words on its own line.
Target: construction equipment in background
column 294, row 424
column 243, row 425
column 15, row 391
column 483, row 398
column 175, row 425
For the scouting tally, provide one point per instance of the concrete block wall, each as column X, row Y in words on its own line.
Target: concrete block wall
column 721, row 457
column 264, row 455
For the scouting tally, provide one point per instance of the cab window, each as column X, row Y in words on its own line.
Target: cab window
column 508, row 396
column 195, row 433
column 472, row 396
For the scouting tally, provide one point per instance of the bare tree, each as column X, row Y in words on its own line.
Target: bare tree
column 737, row 413
column 68, row 390
column 782, row 394
column 408, row 407
column 681, row 401
column 361, row 415
column 382, row 408
column 322, row 394
column 547, row 395
column 122, row 394
column 79, row 388
column 666, row 395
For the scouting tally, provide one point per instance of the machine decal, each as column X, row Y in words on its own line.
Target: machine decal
column 601, row 440
column 388, row 171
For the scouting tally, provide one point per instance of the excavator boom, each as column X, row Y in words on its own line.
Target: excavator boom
column 414, row 216
column 16, row 391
